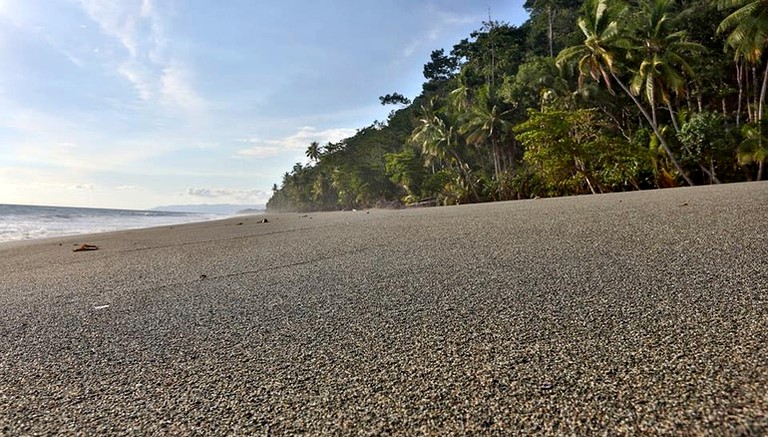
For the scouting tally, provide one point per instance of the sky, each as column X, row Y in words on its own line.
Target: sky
column 140, row 103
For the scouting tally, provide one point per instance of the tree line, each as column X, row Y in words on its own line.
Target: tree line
column 587, row 96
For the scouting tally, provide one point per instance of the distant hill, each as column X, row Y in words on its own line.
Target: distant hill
column 228, row 209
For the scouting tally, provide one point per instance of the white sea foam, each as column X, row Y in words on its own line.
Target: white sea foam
column 22, row 222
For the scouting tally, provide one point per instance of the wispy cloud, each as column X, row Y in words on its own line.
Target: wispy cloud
column 261, row 151
column 60, row 141
column 139, row 78
column 177, row 90
column 155, row 75
column 293, row 144
column 87, row 187
column 116, row 19
column 441, row 21
column 240, row 195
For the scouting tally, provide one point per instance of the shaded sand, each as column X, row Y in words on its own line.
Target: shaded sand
column 638, row 312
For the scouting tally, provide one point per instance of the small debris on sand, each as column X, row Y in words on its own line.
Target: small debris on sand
column 85, row 247
column 263, row 221
column 239, row 224
column 101, row 307
column 203, row 277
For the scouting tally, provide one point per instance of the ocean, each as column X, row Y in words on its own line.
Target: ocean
column 24, row 222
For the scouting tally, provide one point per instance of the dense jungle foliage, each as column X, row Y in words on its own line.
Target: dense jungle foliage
column 585, row 97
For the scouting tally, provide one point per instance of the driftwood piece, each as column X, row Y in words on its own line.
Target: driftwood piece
column 85, row 247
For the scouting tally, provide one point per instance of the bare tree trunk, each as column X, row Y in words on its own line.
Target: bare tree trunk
column 761, row 103
column 580, row 167
column 740, row 82
column 755, row 95
column 761, row 166
column 550, row 18
column 656, row 131
column 710, row 172
column 672, row 115
column 467, row 175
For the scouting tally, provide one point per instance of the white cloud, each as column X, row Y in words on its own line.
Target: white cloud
column 139, row 78
column 441, row 22
column 232, row 194
column 116, row 19
column 177, row 90
column 88, row 187
column 295, row 143
column 155, row 75
column 261, row 151
column 410, row 49
column 69, row 142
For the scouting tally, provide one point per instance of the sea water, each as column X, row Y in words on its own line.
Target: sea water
column 24, row 222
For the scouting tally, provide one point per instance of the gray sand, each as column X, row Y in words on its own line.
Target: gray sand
column 622, row 313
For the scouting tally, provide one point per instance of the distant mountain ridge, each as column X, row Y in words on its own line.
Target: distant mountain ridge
column 222, row 208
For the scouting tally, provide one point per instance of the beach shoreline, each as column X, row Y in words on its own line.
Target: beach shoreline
column 635, row 312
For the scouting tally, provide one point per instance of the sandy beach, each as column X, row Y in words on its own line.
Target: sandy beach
column 643, row 312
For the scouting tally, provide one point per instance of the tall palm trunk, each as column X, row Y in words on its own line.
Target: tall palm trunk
column 740, row 83
column 467, row 176
column 761, row 103
column 708, row 171
column 655, row 128
column 672, row 116
column 755, row 95
column 550, row 35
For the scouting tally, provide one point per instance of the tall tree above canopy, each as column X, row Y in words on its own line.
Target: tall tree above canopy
column 313, row 151
column 440, row 66
column 439, row 70
column 394, row 99
column 496, row 50
column 553, row 18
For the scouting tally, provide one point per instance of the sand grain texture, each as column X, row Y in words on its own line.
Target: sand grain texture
column 624, row 313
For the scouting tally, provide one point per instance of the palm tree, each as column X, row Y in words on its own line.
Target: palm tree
column 754, row 147
column 440, row 141
column 313, row 151
column 749, row 36
column 663, row 64
column 487, row 124
column 433, row 137
column 599, row 58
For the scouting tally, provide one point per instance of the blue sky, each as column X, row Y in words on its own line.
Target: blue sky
column 139, row 103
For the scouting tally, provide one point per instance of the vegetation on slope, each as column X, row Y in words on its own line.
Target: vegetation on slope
column 584, row 97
